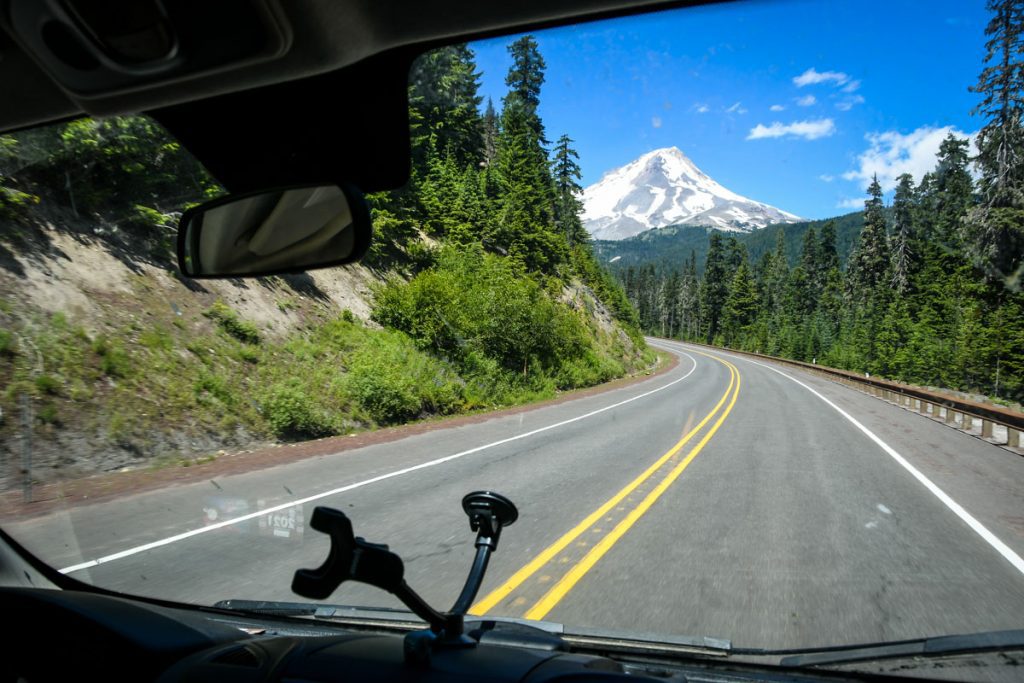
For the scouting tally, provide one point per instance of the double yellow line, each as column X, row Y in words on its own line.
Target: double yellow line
column 553, row 596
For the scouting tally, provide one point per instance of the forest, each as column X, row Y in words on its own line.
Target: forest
column 931, row 290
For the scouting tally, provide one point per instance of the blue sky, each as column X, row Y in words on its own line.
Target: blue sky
column 857, row 88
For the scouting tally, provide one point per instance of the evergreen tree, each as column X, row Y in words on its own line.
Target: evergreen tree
column 689, row 299
column 714, row 288
column 869, row 261
column 525, row 226
column 735, row 254
column 740, row 308
column 566, row 172
column 995, row 229
column 490, row 134
column 526, row 75
column 951, row 189
column 444, row 107
column 827, row 253
column 904, row 237
column 810, row 257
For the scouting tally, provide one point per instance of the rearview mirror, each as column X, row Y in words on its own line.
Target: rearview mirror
column 277, row 231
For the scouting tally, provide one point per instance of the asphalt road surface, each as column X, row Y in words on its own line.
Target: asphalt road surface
column 725, row 498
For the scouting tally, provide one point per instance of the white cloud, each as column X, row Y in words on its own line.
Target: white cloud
column 891, row 154
column 851, row 86
column 736, row 109
column 776, row 107
column 850, row 204
column 656, row 121
column 701, row 108
column 806, row 101
column 813, row 77
column 809, row 130
column 826, row 178
column 849, row 103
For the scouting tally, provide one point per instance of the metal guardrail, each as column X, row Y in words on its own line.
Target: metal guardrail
column 956, row 412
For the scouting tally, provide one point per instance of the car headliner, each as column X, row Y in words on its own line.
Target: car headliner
column 332, row 107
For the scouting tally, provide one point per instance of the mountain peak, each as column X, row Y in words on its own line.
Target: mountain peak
column 664, row 187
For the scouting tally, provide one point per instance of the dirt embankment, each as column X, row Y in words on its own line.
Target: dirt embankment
column 74, row 299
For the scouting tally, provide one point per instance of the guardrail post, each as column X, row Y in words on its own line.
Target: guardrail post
column 986, row 429
column 950, row 415
column 924, row 407
column 966, row 422
column 1012, row 438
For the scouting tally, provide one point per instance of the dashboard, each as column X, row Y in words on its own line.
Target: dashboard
column 82, row 635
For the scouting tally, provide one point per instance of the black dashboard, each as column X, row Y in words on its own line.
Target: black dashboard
column 64, row 635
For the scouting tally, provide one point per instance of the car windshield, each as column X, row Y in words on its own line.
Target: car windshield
column 726, row 299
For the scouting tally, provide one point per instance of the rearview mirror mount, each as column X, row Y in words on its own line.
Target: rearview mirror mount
column 284, row 230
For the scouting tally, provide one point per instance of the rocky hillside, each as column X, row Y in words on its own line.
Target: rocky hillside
column 121, row 363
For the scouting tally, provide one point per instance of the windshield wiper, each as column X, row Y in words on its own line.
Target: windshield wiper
column 940, row 646
column 313, row 609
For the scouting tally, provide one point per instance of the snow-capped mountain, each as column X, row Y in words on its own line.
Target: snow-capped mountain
column 664, row 188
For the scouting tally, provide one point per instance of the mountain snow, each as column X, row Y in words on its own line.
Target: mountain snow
column 664, row 188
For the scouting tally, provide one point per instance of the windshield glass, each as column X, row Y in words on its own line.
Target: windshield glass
column 726, row 299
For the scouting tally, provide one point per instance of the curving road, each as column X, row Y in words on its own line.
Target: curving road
column 725, row 498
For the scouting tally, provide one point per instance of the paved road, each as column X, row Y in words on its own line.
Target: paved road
column 722, row 498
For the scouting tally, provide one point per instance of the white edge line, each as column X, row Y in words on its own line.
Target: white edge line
column 979, row 528
column 359, row 484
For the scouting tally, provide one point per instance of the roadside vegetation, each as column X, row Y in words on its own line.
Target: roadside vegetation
column 487, row 293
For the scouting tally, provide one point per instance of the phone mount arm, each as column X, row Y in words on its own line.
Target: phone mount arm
column 353, row 559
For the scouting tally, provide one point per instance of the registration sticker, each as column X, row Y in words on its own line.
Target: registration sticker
column 288, row 523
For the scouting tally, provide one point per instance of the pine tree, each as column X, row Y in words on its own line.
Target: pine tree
column 525, row 226
column 994, row 230
column 714, row 288
column 444, row 106
column 689, row 299
column 740, row 310
column 490, row 134
column 566, row 173
column 951, row 189
column 810, row 257
column 869, row 261
column 776, row 278
column 827, row 248
column 526, row 75
column 735, row 254
column 904, row 237
column 1001, row 85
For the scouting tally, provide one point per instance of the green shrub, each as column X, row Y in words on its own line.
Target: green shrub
column 47, row 384
column 7, row 345
column 212, row 385
column 248, row 354
column 157, row 339
column 100, row 345
column 476, row 302
column 393, row 381
column 15, row 204
column 292, row 415
column 48, row 414
column 229, row 321
column 385, row 394
column 114, row 362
